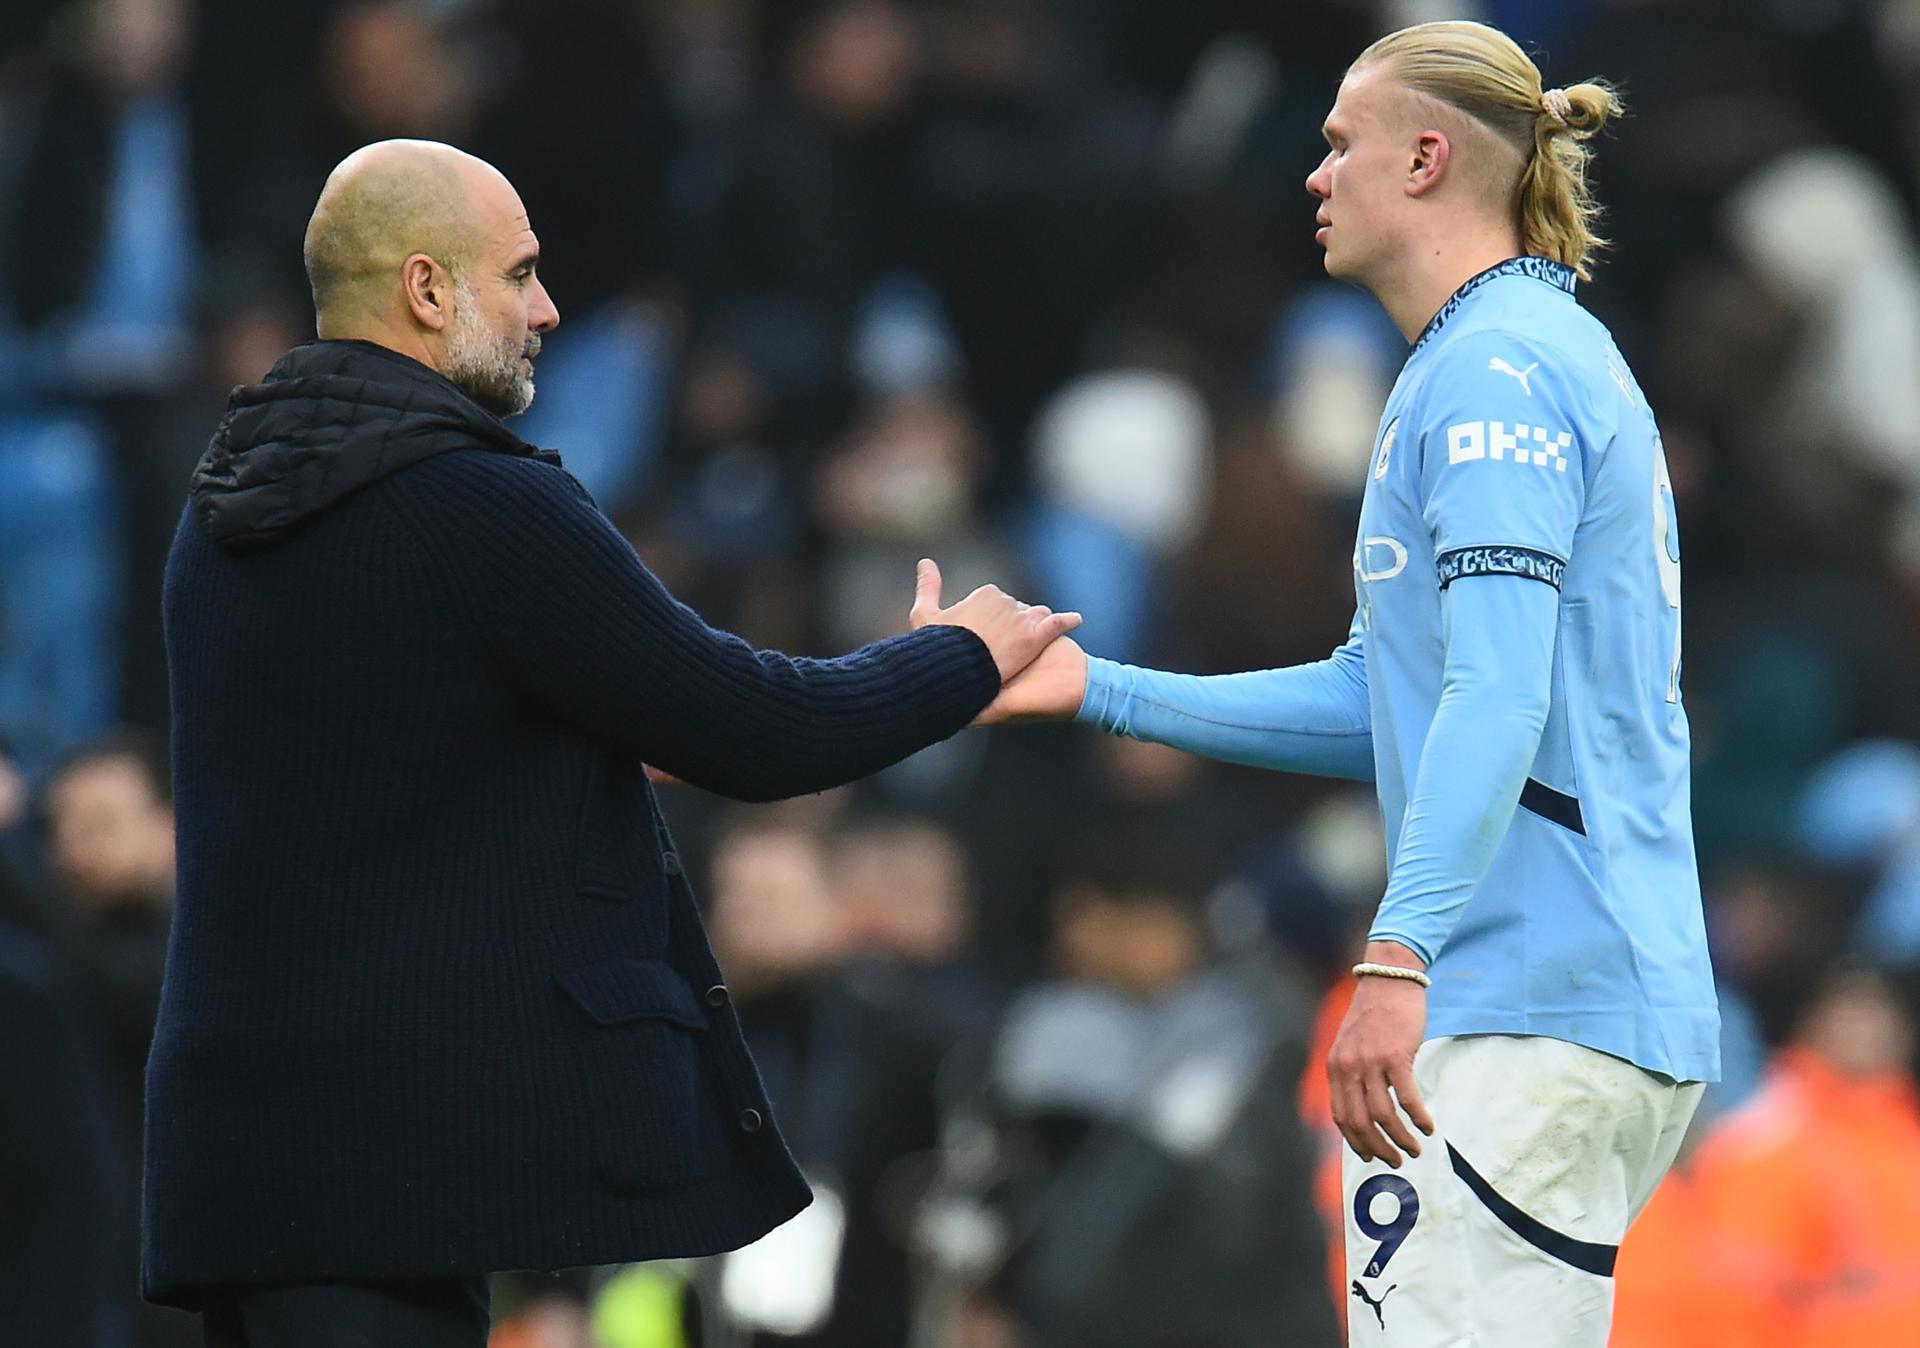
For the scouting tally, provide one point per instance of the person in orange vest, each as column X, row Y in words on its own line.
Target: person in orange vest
column 1797, row 1222
column 1316, row 1109
column 1677, row 1287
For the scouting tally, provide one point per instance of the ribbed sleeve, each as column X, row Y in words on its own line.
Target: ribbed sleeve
column 577, row 623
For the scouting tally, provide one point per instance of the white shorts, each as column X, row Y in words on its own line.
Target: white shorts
column 1502, row 1232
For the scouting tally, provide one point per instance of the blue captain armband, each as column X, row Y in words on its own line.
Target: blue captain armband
column 1528, row 563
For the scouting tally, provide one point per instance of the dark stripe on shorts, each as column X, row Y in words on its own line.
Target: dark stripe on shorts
column 1552, row 806
column 1583, row 1255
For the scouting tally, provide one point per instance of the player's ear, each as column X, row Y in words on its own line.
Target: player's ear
column 1428, row 163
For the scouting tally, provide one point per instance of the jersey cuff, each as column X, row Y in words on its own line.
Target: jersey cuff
column 1101, row 675
column 1501, row 560
column 1401, row 938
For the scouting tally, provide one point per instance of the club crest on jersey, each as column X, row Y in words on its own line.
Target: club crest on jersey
column 1538, row 445
column 1386, row 449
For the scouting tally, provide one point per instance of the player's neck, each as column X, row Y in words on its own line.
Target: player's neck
column 1429, row 275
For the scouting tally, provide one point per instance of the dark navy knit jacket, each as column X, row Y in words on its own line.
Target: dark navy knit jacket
column 438, row 1000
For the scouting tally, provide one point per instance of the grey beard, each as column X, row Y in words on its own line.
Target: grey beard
column 487, row 369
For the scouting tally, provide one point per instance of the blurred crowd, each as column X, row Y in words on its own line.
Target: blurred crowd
column 1028, row 286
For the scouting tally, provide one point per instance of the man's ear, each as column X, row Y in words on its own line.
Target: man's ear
column 429, row 291
column 1431, row 153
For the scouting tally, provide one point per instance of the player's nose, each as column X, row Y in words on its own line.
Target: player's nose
column 1320, row 181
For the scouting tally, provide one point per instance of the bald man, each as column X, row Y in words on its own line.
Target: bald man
column 438, row 1001
column 453, row 232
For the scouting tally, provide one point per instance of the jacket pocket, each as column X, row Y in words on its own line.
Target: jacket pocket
column 640, row 1040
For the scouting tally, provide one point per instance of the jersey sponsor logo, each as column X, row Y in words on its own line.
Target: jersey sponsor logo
column 1541, row 446
column 1386, row 449
column 1378, row 1307
column 1500, row 366
column 1529, row 563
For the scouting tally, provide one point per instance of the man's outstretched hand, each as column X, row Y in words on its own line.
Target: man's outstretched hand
column 1015, row 633
column 1050, row 689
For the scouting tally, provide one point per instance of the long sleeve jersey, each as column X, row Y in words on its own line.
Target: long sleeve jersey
column 1511, row 683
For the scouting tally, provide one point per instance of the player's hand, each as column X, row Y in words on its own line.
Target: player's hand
column 1015, row 633
column 1050, row 689
column 1371, row 1063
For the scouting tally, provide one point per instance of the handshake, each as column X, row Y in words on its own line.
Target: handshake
column 1043, row 672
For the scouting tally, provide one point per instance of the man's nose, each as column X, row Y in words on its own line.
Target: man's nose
column 1318, row 183
column 545, row 314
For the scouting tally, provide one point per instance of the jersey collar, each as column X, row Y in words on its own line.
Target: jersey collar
column 1557, row 274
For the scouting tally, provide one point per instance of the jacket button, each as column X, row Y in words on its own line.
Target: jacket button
column 718, row 996
column 750, row 1121
column 672, row 862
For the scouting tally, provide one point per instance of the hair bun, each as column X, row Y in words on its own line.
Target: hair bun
column 1586, row 107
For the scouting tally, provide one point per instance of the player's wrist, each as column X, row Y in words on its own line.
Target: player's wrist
column 1096, row 680
column 1393, row 953
column 1392, row 974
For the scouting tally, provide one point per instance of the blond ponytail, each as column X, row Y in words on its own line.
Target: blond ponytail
column 1483, row 73
column 1558, row 215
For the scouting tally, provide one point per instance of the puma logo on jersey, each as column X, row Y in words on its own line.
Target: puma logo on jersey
column 1501, row 366
column 1379, row 1311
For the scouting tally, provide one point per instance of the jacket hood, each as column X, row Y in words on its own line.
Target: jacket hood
column 330, row 418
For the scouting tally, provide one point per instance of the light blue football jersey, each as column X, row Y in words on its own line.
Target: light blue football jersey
column 1516, row 443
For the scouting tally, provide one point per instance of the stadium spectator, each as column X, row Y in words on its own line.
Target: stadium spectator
column 110, row 864
column 907, row 481
column 850, row 1066
column 905, row 894
column 111, row 849
column 104, row 219
column 804, row 210
column 1789, row 1227
column 64, row 1270
column 59, row 584
column 100, row 222
column 1122, row 460
column 1133, row 1134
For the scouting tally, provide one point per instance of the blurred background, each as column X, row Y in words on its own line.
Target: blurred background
column 1029, row 286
